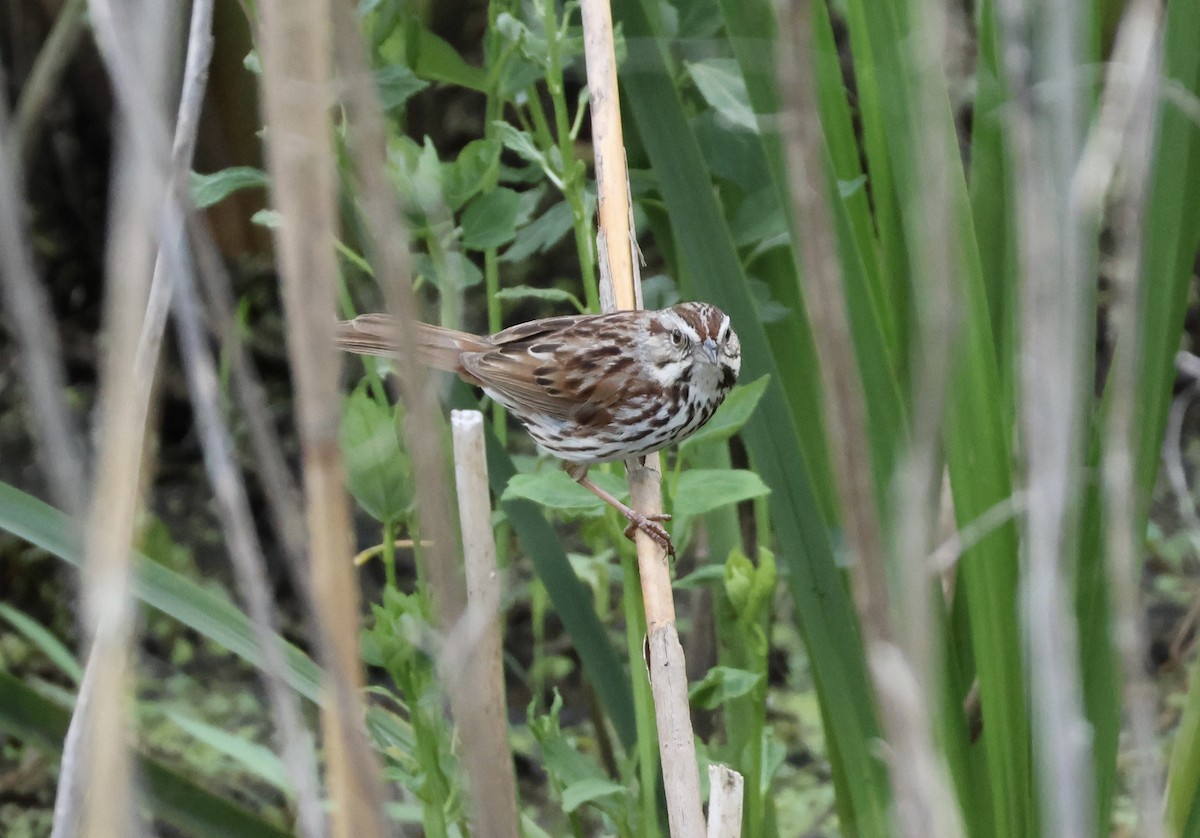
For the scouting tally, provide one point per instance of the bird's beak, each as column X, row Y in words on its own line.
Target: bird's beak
column 709, row 348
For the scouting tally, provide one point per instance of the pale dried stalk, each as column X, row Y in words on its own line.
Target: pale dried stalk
column 1044, row 130
column 899, row 659
column 388, row 233
column 296, row 49
column 475, row 678
column 124, row 405
column 47, row 71
column 1125, row 132
column 725, row 795
column 31, row 323
column 668, row 674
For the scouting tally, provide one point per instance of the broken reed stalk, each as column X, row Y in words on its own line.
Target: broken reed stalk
column 472, row 666
column 296, row 44
column 668, row 675
column 725, row 795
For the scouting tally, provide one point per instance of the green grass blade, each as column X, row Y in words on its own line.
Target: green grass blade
column 209, row 615
column 977, row 435
column 708, row 255
column 31, row 717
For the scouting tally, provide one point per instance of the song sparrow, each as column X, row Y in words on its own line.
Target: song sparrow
column 589, row 388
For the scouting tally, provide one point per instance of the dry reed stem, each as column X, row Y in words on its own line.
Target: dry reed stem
column 284, row 502
column 475, row 681
column 136, row 65
column 44, row 77
column 667, row 668
column 296, row 43
column 1053, row 234
column 174, row 272
column 388, row 237
column 31, row 323
column 1124, row 136
column 725, row 795
column 899, row 657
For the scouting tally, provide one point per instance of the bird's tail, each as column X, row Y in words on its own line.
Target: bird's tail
column 379, row 334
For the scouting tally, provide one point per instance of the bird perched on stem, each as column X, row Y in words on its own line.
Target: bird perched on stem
column 590, row 388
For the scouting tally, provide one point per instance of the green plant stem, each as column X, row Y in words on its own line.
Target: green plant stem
column 388, row 554
column 643, row 701
column 573, row 173
column 538, row 601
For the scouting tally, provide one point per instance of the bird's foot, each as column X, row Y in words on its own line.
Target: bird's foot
column 649, row 524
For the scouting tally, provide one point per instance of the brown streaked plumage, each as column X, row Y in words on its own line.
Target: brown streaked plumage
column 589, row 388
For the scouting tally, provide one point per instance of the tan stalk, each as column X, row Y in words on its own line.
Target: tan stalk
column 725, row 795
column 668, row 674
column 472, row 664
column 296, row 42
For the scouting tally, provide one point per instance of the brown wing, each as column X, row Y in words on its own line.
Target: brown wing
column 562, row 367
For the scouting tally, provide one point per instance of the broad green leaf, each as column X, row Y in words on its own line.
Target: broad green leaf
column 586, row 791
column 201, row 610
column 259, row 760
column 216, row 187
column 438, row 61
column 721, row 84
column 550, row 295
column 759, row 218
column 556, row 490
column 703, row 490
column 457, row 272
column 705, row 575
column 175, row 799
column 378, row 473
column 733, row 413
column 416, row 172
column 569, row 767
column 519, row 142
column 40, row 636
column 720, row 684
column 271, row 219
column 477, row 165
column 397, row 84
column 490, row 220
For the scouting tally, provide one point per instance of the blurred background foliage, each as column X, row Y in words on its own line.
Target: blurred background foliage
column 490, row 157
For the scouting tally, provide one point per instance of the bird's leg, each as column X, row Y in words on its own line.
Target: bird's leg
column 649, row 524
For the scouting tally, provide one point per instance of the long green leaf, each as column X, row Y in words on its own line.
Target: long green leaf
column 708, row 255
column 31, row 717
column 1172, row 235
column 977, row 440
column 159, row 587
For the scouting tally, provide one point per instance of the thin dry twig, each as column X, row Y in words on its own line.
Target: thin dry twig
column 47, row 71
column 296, row 42
column 667, row 668
column 31, row 323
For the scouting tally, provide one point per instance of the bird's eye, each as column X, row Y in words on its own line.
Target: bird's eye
column 677, row 337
